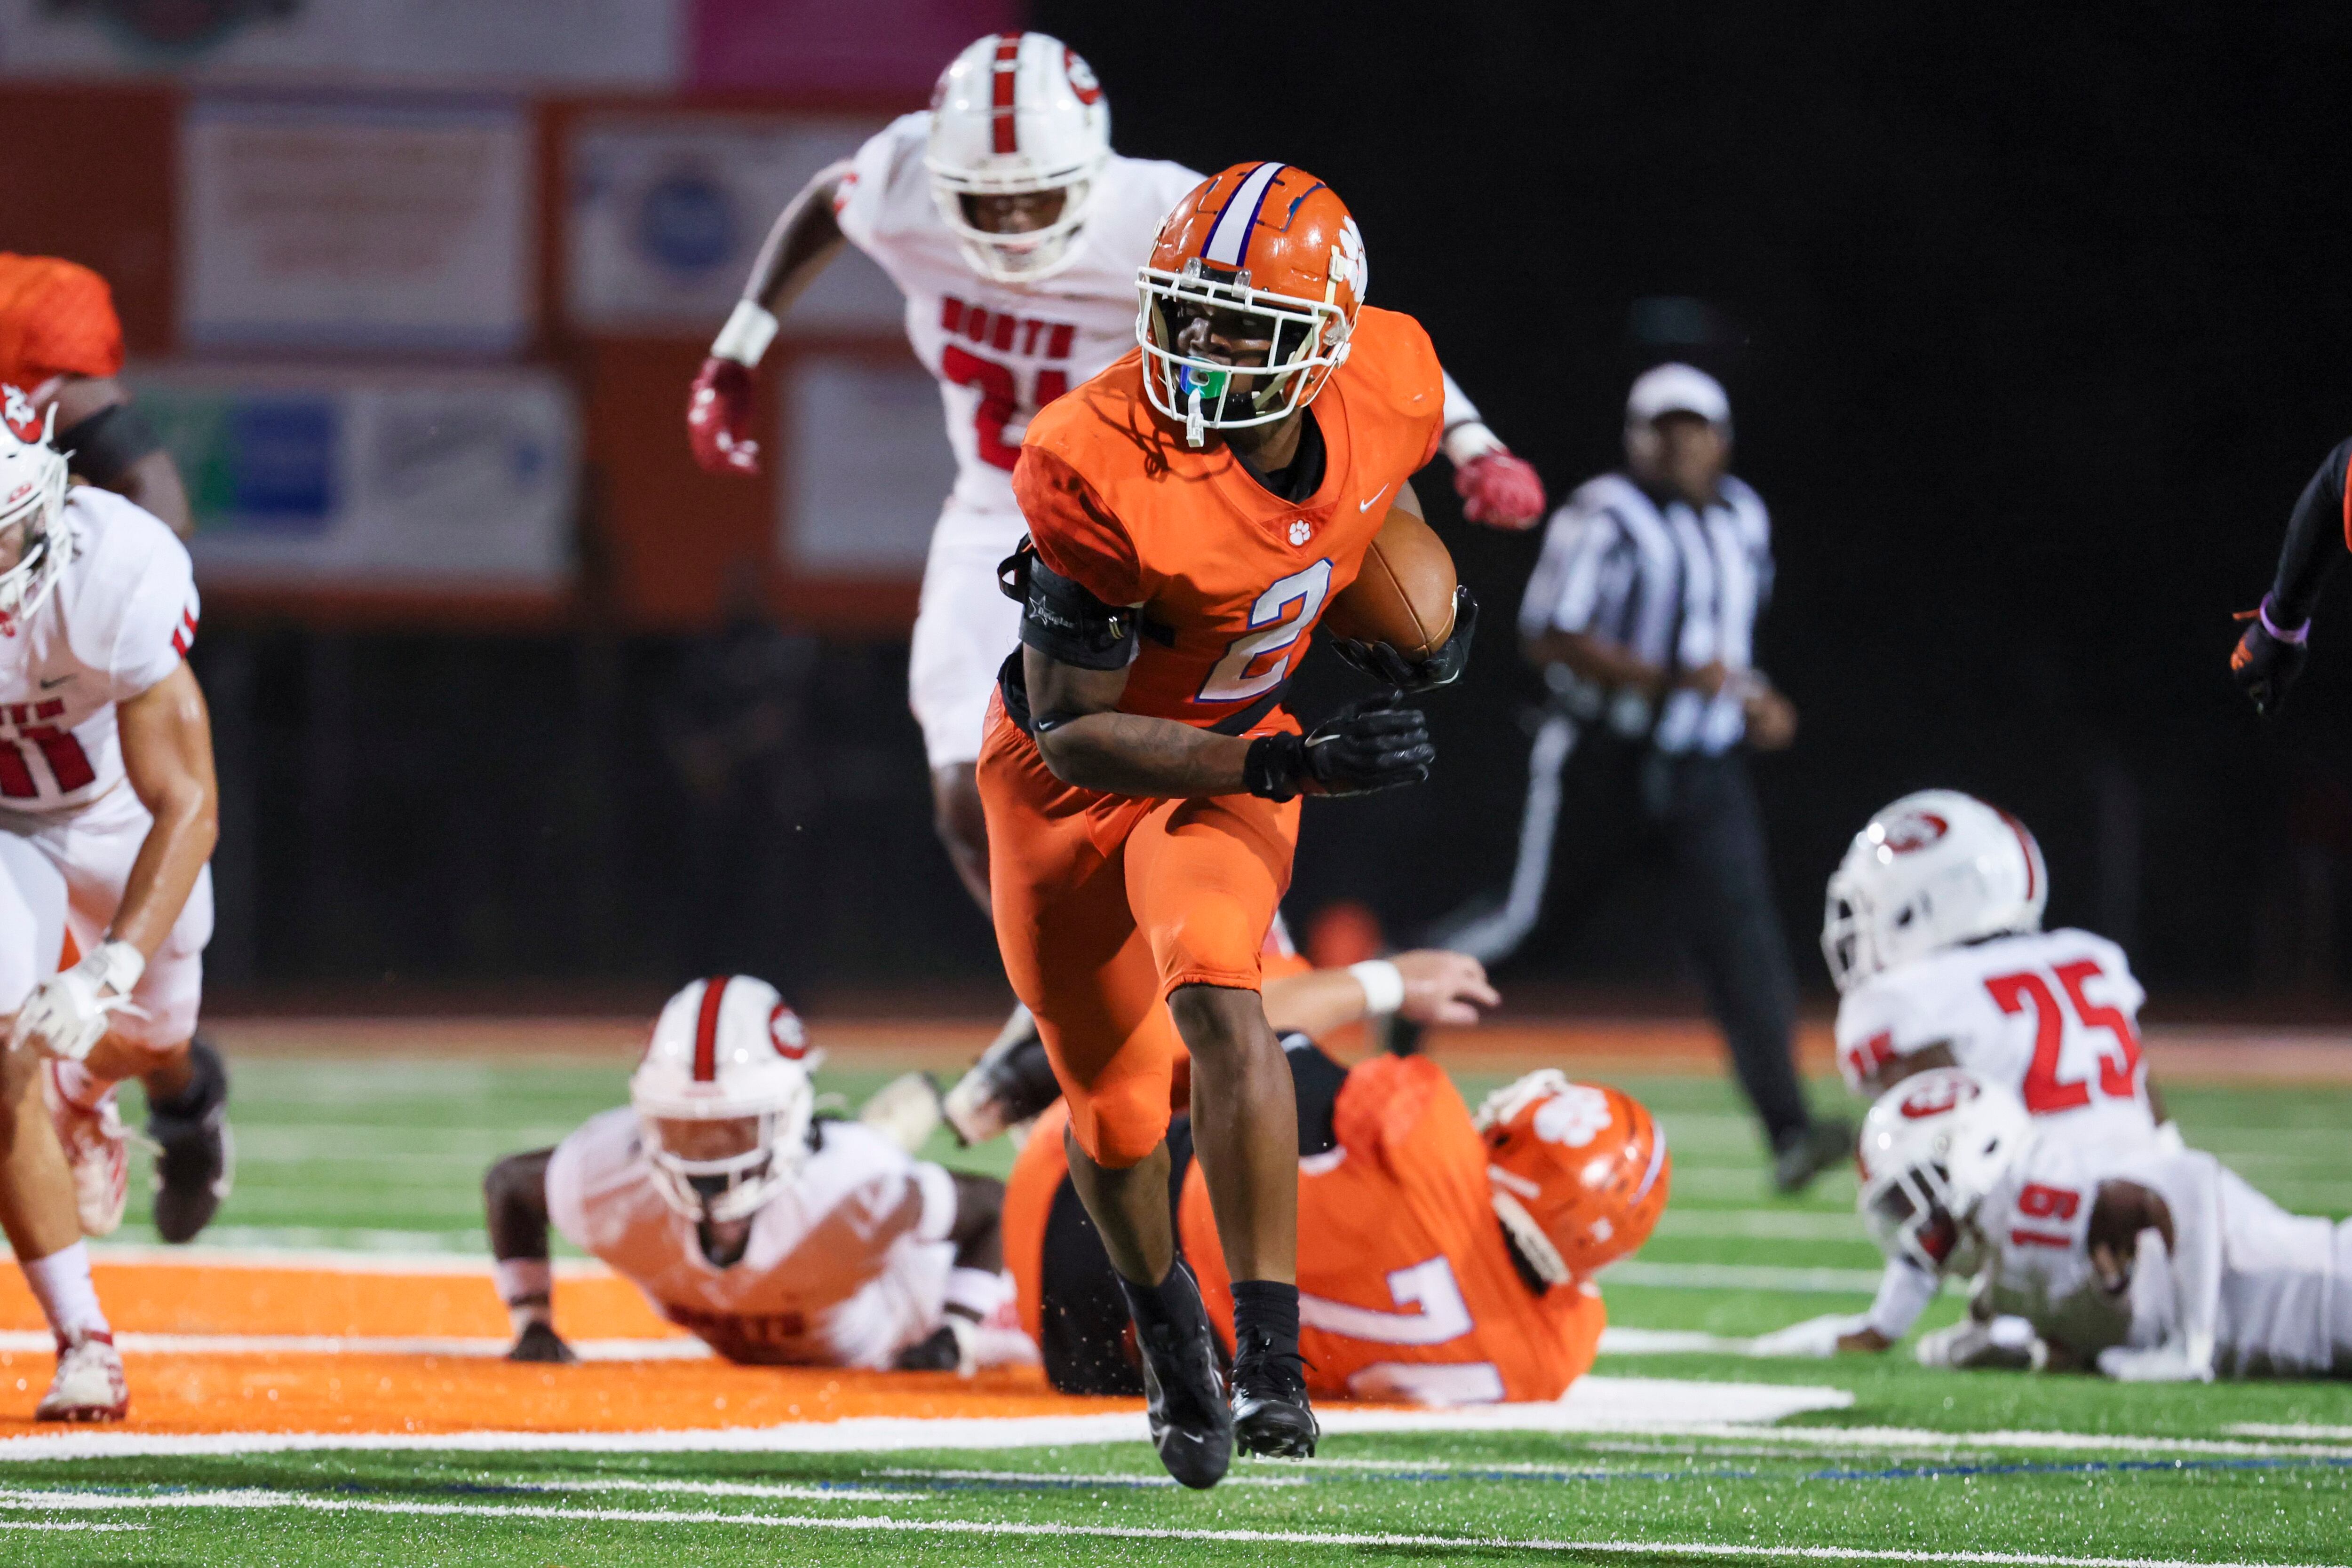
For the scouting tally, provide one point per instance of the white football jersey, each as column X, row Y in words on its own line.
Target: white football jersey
column 1003, row 351
column 121, row 619
column 844, row 1267
column 2274, row 1288
column 2053, row 1016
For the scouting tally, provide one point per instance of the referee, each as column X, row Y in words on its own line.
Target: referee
column 1642, row 614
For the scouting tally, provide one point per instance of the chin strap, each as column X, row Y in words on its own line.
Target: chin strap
column 1533, row 1244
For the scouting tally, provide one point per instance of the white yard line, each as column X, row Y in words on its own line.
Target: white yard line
column 1760, row 1225
column 327, row 1260
column 2292, row 1430
column 1617, row 1341
column 1038, row 1477
column 682, row 1348
column 255, row 1500
column 1741, row 1277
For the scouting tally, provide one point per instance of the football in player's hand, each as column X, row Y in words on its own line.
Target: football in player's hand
column 1403, row 596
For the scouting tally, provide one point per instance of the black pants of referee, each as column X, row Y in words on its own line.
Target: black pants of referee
column 1599, row 805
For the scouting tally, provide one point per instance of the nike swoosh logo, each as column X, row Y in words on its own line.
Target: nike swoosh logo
column 1367, row 506
column 52, row 686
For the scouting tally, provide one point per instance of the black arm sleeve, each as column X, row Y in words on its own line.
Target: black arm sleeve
column 1061, row 620
column 106, row 445
column 2315, row 542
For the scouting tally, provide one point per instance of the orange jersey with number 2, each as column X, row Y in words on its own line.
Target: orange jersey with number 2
column 1407, row 1290
column 1231, row 577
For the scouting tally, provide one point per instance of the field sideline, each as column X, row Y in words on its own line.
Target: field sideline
column 319, row 1382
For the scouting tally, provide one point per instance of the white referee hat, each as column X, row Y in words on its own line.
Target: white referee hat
column 1676, row 388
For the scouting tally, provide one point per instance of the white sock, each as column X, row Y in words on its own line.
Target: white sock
column 78, row 1085
column 975, row 1292
column 526, row 1285
column 61, row 1283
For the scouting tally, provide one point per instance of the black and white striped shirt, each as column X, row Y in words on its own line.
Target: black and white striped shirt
column 1673, row 585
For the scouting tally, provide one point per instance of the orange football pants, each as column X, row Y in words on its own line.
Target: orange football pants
column 1105, row 904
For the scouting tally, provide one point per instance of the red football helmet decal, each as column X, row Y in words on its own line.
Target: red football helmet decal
column 24, row 420
column 1082, row 78
column 786, row 1033
column 1937, row 1096
column 1914, row 831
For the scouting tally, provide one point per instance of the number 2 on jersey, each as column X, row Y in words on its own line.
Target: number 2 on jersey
column 2044, row 1090
column 1272, row 629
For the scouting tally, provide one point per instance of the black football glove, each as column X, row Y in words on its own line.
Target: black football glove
column 1365, row 745
column 1391, row 668
column 2264, row 664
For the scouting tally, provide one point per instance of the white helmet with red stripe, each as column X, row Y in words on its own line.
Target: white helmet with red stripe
column 32, row 495
column 724, row 1098
column 1935, row 868
column 1017, row 114
column 1931, row 1149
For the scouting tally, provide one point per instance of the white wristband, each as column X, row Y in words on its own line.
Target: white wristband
column 1469, row 440
column 749, row 331
column 1383, row 985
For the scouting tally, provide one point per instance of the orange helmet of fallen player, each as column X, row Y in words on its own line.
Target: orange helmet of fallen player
column 1260, row 269
column 1579, row 1171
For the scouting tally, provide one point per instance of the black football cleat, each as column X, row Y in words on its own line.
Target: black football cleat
column 196, row 1160
column 1810, row 1151
column 1271, row 1415
column 1184, row 1396
column 540, row 1343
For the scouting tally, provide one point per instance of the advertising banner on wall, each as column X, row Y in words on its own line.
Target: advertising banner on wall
column 355, row 225
column 431, row 482
column 563, row 43
column 666, row 213
column 865, row 468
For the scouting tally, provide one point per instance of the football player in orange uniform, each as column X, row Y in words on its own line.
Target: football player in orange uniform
column 1445, row 1257
column 60, row 339
column 1191, row 509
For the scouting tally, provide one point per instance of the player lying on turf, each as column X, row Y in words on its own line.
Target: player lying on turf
column 1014, row 231
column 1445, row 1259
column 1933, row 934
column 772, row 1234
column 2147, row 1263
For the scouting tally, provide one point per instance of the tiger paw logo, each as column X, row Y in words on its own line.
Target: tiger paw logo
column 1300, row 532
column 1348, row 264
column 1575, row 1116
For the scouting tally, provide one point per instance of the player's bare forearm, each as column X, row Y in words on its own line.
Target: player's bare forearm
column 1129, row 754
column 802, row 239
column 167, row 752
column 514, row 1201
column 1089, row 744
column 1313, row 1004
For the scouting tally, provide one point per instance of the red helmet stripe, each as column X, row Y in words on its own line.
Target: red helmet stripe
column 1001, row 106
column 706, row 1030
column 1229, row 236
column 2025, row 847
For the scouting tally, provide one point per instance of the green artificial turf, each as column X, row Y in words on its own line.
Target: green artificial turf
column 389, row 1155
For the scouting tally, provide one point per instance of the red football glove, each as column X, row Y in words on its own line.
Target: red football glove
column 1499, row 490
column 719, row 418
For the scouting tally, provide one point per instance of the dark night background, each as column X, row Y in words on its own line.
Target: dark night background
column 2046, row 323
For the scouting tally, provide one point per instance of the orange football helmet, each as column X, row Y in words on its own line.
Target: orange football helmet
column 1265, row 249
column 1580, row 1172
